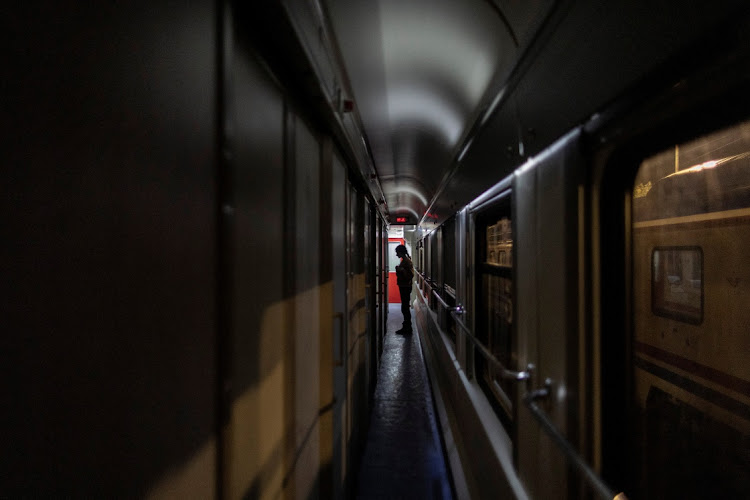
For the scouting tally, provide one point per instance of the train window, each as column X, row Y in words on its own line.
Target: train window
column 449, row 246
column 691, row 321
column 435, row 273
column 500, row 243
column 449, row 274
column 495, row 327
column 419, row 256
column 677, row 283
column 428, row 256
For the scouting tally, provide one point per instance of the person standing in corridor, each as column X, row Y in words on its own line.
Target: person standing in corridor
column 404, row 276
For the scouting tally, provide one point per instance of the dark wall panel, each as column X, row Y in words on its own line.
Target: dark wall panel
column 257, row 223
column 108, row 251
column 256, row 379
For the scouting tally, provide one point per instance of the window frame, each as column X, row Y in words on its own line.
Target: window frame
column 685, row 317
column 624, row 137
column 501, row 394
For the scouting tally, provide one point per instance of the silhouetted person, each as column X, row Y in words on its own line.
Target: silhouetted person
column 404, row 275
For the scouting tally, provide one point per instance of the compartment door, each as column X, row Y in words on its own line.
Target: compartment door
column 338, row 230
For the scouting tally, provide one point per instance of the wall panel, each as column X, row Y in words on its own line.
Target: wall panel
column 108, row 256
column 257, row 364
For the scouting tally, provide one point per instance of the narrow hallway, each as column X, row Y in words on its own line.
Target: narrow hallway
column 403, row 456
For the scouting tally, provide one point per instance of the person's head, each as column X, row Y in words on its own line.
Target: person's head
column 401, row 251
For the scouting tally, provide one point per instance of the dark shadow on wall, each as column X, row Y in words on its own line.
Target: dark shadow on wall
column 108, row 254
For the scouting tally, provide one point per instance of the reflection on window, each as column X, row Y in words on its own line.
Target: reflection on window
column 707, row 175
column 495, row 311
column 677, row 283
column 498, row 291
column 500, row 243
column 689, row 426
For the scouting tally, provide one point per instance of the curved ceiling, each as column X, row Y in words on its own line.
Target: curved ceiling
column 453, row 95
column 420, row 70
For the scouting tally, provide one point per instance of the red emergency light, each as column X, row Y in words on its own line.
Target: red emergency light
column 400, row 219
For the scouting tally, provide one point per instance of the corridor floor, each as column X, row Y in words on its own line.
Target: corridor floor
column 403, row 456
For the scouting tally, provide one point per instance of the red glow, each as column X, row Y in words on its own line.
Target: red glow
column 400, row 219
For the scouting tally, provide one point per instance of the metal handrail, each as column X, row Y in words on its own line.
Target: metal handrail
column 424, row 282
column 599, row 486
column 529, row 399
column 440, row 299
column 504, row 372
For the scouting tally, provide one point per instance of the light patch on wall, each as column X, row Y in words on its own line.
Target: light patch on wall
column 255, row 436
column 194, row 479
column 307, row 390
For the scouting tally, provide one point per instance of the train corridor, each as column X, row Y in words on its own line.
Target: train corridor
column 404, row 456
